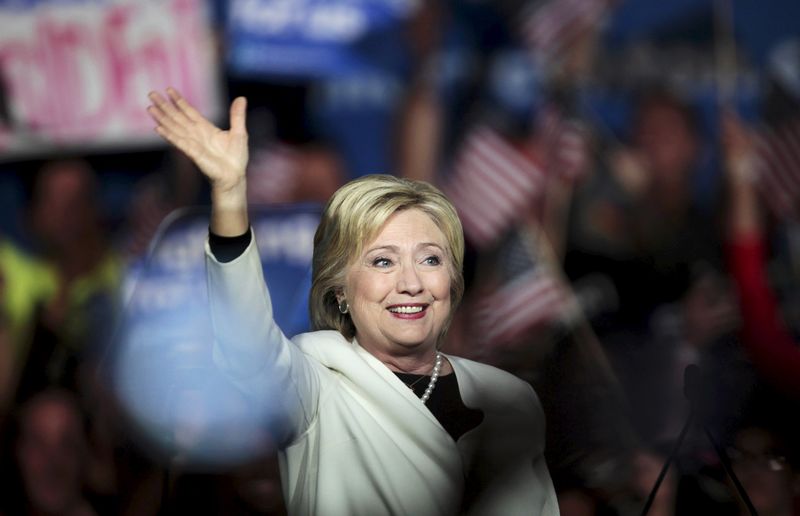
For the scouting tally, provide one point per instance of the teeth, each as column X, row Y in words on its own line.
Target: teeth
column 406, row 309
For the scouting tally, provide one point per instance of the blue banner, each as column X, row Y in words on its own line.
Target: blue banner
column 305, row 38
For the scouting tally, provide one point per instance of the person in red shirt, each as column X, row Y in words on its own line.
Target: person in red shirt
column 765, row 334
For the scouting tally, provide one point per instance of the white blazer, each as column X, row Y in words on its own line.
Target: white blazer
column 359, row 441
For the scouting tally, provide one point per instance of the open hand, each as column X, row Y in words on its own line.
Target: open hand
column 220, row 155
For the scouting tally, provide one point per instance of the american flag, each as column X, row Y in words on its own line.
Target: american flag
column 568, row 143
column 778, row 167
column 271, row 174
column 549, row 27
column 527, row 293
column 493, row 184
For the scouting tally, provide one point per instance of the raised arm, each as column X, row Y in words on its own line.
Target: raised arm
column 220, row 155
column 248, row 344
column 765, row 335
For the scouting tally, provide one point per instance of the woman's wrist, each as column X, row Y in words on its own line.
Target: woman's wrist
column 233, row 188
column 229, row 208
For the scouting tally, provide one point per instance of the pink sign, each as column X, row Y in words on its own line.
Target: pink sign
column 77, row 74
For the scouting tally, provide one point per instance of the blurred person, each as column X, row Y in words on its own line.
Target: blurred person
column 760, row 450
column 766, row 335
column 369, row 390
column 26, row 283
column 460, row 52
column 7, row 368
column 640, row 224
column 650, row 178
column 51, row 453
column 645, row 468
column 72, row 326
column 257, row 485
column 282, row 173
column 75, row 323
column 656, row 171
column 637, row 478
column 760, row 461
column 153, row 198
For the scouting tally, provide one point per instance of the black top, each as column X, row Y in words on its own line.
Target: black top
column 445, row 402
column 227, row 249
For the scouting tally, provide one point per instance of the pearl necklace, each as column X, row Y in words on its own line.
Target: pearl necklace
column 437, row 366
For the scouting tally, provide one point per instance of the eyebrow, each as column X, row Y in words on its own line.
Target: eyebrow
column 394, row 248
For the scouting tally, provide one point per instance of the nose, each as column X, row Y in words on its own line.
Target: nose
column 409, row 281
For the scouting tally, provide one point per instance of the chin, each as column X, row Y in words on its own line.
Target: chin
column 413, row 343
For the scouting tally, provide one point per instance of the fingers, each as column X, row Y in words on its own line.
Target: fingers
column 168, row 135
column 162, row 119
column 237, row 115
column 167, row 112
column 183, row 105
column 185, row 145
column 160, row 112
column 171, row 127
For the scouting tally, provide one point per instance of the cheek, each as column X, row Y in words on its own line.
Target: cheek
column 440, row 287
column 363, row 290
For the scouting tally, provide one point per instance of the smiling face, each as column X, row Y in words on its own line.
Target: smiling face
column 398, row 289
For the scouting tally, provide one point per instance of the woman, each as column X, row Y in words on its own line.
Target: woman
column 378, row 420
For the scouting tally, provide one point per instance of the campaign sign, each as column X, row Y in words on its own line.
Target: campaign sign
column 78, row 72
column 305, row 38
column 163, row 367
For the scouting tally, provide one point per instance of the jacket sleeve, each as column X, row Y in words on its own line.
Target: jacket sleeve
column 250, row 347
column 765, row 335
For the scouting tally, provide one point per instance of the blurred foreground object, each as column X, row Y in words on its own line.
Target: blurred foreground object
column 180, row 406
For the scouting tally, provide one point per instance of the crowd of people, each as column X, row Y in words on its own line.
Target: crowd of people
column 599, row 265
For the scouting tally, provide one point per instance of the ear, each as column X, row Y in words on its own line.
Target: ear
column 340, row 296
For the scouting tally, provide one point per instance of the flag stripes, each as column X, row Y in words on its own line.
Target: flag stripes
column 271, row 174
column 778, row 168
column 537, row 297
column 492, row 185
column 549, row 27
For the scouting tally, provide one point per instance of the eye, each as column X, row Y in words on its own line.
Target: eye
column 432, row 260
column 381, row 262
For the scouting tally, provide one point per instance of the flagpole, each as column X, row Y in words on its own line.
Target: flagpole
column 534, row 238
column 724, row 54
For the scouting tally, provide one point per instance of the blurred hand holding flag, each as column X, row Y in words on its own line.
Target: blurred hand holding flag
column 568, row 142
column 272, row 173
column 527, row 291
column 777, row 143
column 493, row 184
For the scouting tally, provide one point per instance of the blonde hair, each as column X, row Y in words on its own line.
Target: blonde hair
column 352, row 218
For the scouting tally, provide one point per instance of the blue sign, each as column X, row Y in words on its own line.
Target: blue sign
column 305, row 38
